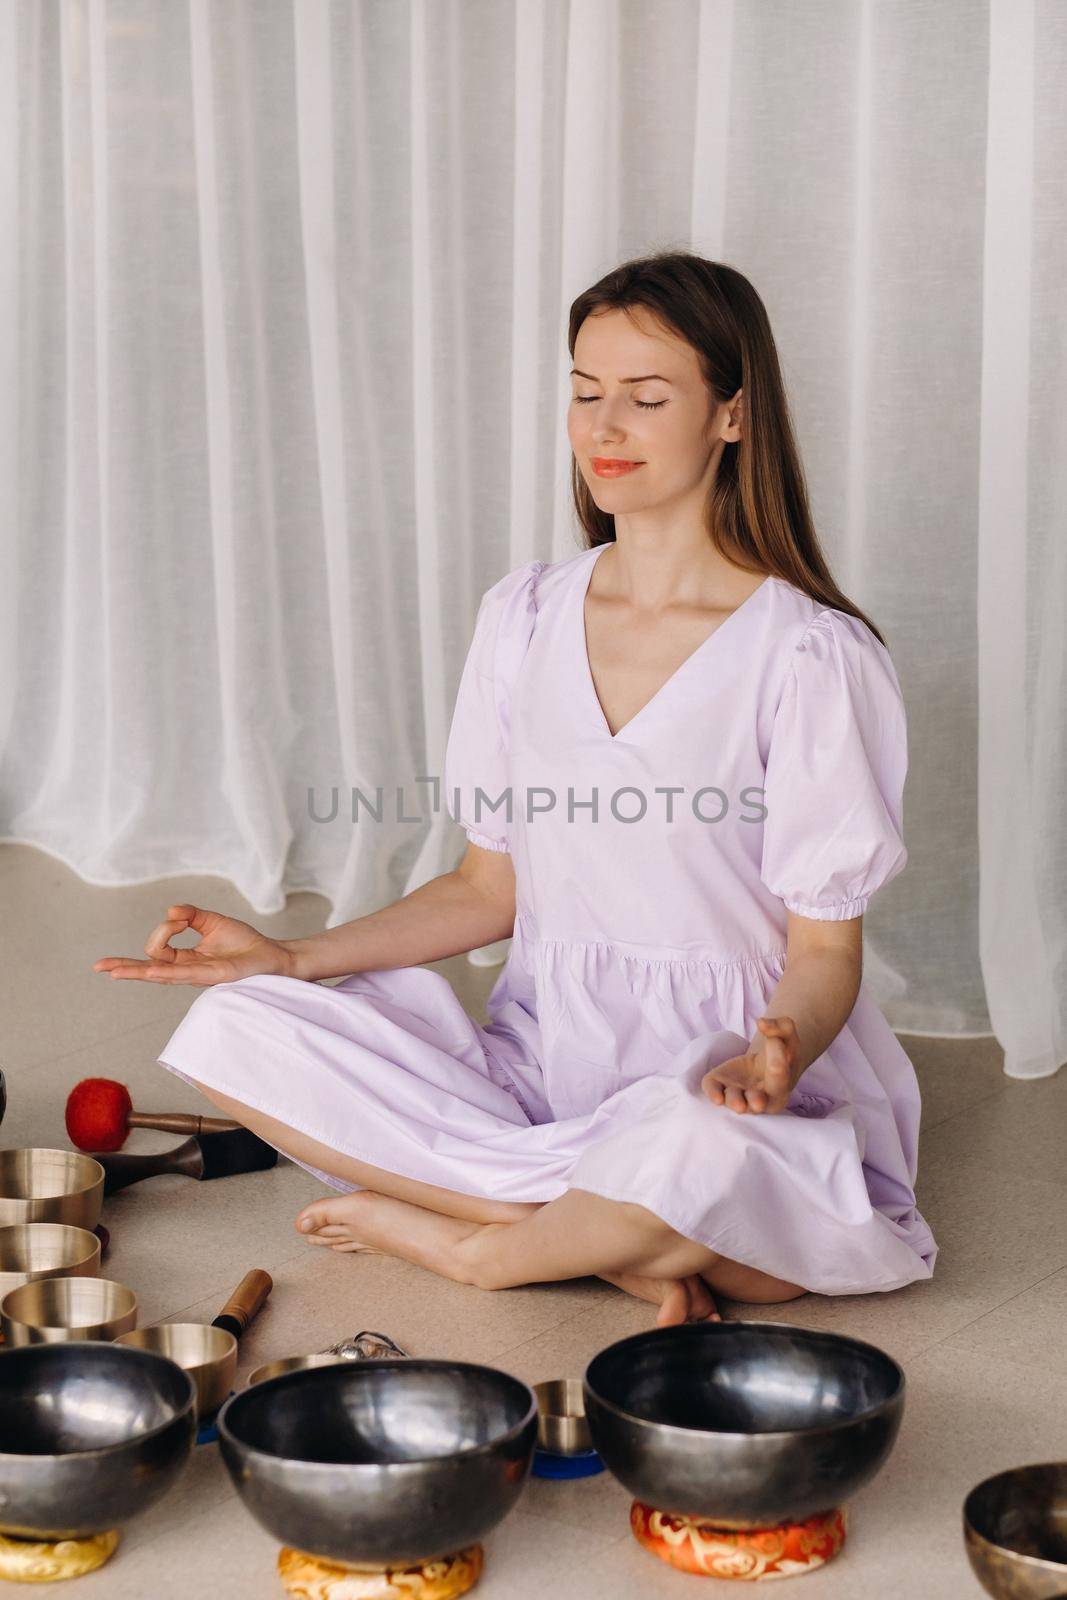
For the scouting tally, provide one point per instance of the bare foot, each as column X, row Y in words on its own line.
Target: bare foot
column 381, row 1225
column 679, row 1299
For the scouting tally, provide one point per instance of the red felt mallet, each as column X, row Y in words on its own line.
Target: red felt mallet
column 100, row 1115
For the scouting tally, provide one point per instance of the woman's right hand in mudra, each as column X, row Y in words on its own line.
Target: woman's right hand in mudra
column 229, row 949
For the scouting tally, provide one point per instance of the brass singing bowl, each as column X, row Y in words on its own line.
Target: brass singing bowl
column 90, row 1435
column 33, row 1250
column 59, row 1310
column 274, row 1369
column 745, row 1423
column 561, row 1424
column 1015, row 1532
column 208, row 1354
column 50, row 1186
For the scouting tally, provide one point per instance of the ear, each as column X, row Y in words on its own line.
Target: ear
column 732, row 432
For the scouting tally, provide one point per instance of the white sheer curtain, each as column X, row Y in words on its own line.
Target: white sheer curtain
column 284, row 291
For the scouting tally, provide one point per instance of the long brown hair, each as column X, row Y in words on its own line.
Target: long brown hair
column 757, row 514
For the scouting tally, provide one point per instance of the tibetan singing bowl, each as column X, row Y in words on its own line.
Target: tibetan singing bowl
column 746, row 1424
column 208, row 1354
column 562, row 1427
column 90, row 1435
column 50, row 1186
column 274, row 1369
column 381, row 1463
column 1015, row 1531
column 33, row 1250
column 58, row 1310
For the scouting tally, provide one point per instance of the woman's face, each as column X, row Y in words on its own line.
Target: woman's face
column 669, row 421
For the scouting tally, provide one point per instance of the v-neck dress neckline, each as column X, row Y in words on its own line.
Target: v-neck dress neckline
column 586, row 671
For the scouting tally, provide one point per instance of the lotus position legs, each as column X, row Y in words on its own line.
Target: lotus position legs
column 502, row 1244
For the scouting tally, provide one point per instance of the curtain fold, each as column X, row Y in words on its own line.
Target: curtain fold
column 283, row 391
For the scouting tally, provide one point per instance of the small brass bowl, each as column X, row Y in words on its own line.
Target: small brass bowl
column 30, row 1251
column 1015, row 1532
column 208, row 1354
column 50, row 1186
column 561, row 1424
column 59, row 1310
column 274, row 1369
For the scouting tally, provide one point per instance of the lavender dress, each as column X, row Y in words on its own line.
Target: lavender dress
column 652, row 869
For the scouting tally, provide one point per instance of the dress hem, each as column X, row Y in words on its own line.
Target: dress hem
column 685, row 1229
column 343, row 1185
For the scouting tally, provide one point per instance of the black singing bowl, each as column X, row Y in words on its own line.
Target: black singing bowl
column 381, row 1463
column 748, row 1424
column 90, row 1435
column 1015, row 1531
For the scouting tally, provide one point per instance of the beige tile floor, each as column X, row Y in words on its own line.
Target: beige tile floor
column 982, row 1343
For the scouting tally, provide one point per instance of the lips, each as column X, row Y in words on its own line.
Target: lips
column 613, row 467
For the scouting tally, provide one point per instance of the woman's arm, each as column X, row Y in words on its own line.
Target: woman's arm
column 820, row 984
column 809, row 1006
column 458, row 911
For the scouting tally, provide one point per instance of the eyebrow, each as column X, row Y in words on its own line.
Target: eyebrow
column 643, row 379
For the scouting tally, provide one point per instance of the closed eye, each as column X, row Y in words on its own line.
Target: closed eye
column 647, row 405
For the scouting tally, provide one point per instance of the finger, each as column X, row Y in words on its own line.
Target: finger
column 714, row 1091
column 195, row 916
column 148, row 972
column 127, row 972
column 757, row 1100
column 783, row 1028
column 156, row 944
column 130, row 967
column 776, row 1067
column 735, row 1098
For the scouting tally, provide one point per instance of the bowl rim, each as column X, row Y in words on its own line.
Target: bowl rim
column 322, row 1374
column 1041, row 1563
column 71, row 1277
column 306, row 1363
column 53, row 1150
column 95, row 1248
column 546, row 1382
column 713, row 1330
column 187, row 1407
column 129, row 1341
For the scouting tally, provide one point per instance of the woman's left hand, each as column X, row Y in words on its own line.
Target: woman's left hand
column 764, row 1077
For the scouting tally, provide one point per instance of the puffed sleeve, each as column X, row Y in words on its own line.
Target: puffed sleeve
column 834, row 784
column 476, row 755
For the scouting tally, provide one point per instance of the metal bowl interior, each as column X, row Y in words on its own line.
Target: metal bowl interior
column 747, row 1423
column 275, row 1369
column 42, row 1185
column 381, row 1462
column 56, row 1310
column 208, row 1354
column 562, row 1427
column 90, row 1435
column 1015, row 1531
column 32, row 1250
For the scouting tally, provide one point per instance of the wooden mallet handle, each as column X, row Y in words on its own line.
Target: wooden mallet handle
column 244, row 1302
column 179, row 1122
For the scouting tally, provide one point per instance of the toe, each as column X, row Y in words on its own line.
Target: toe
column 702, row 1307
column 313, row 1216
column 675, row 1306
